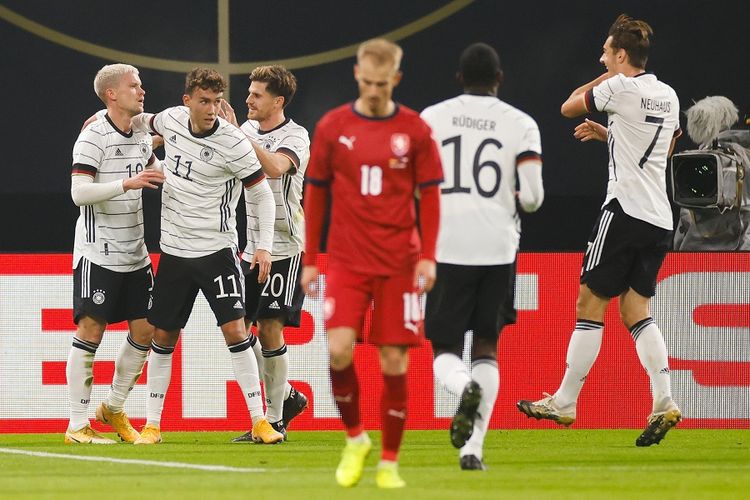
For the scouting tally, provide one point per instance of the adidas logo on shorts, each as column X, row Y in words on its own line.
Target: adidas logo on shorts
column 238, row 305
column 274, row 305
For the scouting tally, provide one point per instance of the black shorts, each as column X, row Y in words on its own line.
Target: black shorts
column 110, row 295
column 623, row 252
column 281, row 296
column 178, row 280
column 477, row 298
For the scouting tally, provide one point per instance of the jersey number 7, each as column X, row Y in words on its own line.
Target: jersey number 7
column 649, row 150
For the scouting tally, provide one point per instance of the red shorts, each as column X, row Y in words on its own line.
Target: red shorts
column 397, row 310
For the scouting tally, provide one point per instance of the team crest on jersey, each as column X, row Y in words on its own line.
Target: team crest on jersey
column 98, row 298
column 207, row 153
column 400, row 144
column 145, row 150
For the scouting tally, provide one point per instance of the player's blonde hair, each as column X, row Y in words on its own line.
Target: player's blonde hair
column 109, row 76
column 382, row 51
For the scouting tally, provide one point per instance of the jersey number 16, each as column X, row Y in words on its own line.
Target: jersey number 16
column 476, row 168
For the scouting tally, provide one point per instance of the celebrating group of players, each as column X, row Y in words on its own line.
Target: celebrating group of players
column 462, row 158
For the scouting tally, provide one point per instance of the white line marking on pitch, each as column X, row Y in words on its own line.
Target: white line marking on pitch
column 131, row 461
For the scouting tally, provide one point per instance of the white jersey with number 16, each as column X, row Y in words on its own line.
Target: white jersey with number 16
column 482, row 139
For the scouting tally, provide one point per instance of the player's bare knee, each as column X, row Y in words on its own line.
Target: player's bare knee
column 141, row 331
column 483, row 348
column 91, row 329
column 590, row 305
column 271, row 333
column 393, row 360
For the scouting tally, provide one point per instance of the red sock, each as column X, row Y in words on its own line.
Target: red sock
column 346, row 394
column 393, row 414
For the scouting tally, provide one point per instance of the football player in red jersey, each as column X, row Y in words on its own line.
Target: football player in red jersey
column 370, row 157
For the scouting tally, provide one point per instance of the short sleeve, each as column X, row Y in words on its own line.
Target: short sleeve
column 296, row 148
column 604, row 97
column 531, row 142
column 88, row 152
column 240, row 156
column 429, row 169
column 319, row 169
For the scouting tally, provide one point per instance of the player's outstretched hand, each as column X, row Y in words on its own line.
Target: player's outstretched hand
column 227, row 112
column 263, row 259
column 424, row 275
column 149, row 178
column 309, row 280
column 590, row 130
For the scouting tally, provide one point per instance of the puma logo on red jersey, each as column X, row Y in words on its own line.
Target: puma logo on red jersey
column 347, row 141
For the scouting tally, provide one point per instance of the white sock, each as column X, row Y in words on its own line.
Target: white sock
column 79, row 372
column 582, row 352
column 451, row 373
column 128, row 368
column 246, row 373
column 485, row 373
column 159, row 376
column 257, row 351
column 649, row 343
column 275, row 373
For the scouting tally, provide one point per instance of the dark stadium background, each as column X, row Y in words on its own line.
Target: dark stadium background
column 547, row 49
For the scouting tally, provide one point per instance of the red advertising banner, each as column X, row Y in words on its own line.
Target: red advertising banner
column 702, row 307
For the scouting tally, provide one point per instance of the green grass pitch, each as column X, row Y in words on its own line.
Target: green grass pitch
column 557, row 463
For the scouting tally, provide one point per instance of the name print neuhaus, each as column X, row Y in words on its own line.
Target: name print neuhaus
column 654, row 105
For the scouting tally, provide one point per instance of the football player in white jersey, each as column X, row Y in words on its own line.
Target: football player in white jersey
column 633, row 232
column 478, row 239
column 207, row 162
column 283, row 148
column 112, row 279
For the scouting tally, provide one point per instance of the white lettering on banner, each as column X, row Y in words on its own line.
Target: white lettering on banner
column 526, row 299
column 24, row 347
column 676, row 299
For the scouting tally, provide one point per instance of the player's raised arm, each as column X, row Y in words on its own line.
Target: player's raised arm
column 578, row 103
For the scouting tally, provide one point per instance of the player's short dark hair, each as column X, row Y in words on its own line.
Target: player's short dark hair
column 632, row 35
column 479, row 65
column 279, row 81
column 205, row 79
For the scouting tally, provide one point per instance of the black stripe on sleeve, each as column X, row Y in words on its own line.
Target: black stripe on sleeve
column 317, row 182
column 252, row 179
column 289, row 154
column 430, row 183
column 82, row 168
column 151, row 125
column 589, row 101
column 528, row 155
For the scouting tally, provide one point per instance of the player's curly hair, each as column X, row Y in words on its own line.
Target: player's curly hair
column 279, row 81
column 632, row 35
column 204, row 78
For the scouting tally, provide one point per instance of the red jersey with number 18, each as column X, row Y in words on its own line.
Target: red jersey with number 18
column 372, row 167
